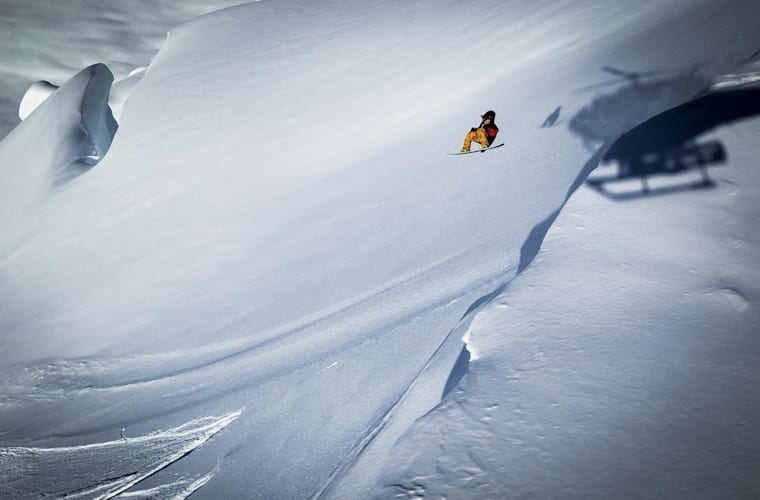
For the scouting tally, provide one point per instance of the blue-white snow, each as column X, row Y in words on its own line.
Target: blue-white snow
column 275, row 265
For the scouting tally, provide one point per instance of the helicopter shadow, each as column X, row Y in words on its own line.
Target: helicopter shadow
column 667, row 145
column 638, row 97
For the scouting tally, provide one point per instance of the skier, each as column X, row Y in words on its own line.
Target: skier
column 484, row 134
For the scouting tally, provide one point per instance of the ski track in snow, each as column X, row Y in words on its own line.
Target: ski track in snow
column 178, row 490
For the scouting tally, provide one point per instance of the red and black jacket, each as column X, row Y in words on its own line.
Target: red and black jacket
column 491, row 130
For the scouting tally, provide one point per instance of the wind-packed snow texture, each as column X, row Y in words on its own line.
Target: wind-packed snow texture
column 276, row 226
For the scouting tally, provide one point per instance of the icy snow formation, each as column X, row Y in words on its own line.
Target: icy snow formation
column 104, row 470
column 35, row 95
column 52, row 41
column 276, row 226
column 69, row 133
column 122, row 88
column 38, row 92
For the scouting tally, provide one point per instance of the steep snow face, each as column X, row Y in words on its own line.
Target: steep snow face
column 70, row 132
column 277, row 227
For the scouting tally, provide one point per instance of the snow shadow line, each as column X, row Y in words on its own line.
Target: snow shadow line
column 528, row 252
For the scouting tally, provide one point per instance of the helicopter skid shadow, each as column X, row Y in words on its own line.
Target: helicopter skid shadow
column 671, row 162
column 598, row 185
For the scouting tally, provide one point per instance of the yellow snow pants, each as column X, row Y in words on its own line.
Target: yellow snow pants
column 478, row 135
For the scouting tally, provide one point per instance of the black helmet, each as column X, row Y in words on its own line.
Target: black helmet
column 489, row 114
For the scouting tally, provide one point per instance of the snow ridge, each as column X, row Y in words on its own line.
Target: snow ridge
column 71, row 131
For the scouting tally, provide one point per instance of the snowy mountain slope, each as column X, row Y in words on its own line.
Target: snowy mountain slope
column 621, row 364
column 276, row 226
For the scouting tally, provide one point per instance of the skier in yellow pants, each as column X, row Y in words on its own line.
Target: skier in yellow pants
column 484, row 134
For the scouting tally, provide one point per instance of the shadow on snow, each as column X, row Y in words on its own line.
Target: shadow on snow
column 668, row 144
